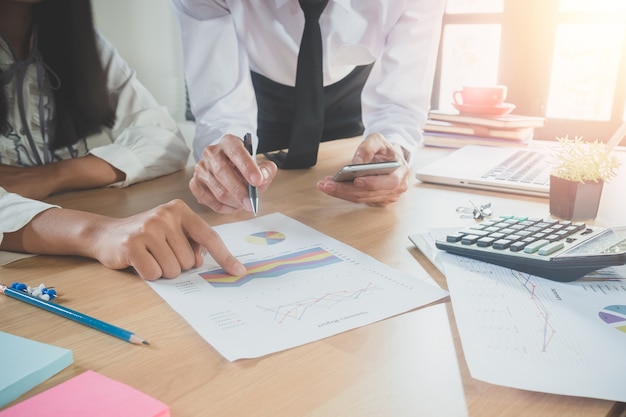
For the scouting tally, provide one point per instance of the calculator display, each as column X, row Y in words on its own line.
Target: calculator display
column 610, row 242
column 619, row 247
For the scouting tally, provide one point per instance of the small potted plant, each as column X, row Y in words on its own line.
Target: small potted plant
column 580, row 170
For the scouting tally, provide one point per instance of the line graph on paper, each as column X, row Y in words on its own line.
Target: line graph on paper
column 527, row 283
column 517, row 314
column 328, row 301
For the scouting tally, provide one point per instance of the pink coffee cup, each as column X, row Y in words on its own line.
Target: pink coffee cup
column 480, row 95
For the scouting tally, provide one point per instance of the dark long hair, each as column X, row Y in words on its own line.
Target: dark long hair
column 66, row 39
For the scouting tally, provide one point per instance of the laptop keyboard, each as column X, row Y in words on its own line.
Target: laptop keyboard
column 524, row 167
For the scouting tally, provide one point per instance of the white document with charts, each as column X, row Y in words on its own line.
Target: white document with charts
column 301, row 286
column 527, row 332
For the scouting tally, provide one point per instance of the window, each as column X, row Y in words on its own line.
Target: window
column 561, row 59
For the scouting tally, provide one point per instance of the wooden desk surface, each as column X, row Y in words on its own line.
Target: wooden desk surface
column 338, row 376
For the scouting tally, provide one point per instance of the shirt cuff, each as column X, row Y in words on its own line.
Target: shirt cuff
column 17, row 212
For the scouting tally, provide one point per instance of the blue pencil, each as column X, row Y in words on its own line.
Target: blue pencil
column 74, row 315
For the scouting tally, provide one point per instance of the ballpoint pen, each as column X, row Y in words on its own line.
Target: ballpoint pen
column 252, row 191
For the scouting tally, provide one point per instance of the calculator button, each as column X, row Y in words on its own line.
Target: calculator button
column 469, row 239
column 454, row 237
column 474, row 232
column 478, row 226
column 571, row 229
column 562, row 234
column 535, row 246
column 551, row 248
column 501, row 244
column 552, row 238
column 518, row 246
column 514, row 238
column 530, row 222
column 485, row 241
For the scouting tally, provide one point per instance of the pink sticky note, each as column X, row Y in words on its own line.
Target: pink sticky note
column 89, row 394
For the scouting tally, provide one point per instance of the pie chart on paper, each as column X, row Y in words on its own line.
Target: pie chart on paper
column 614, row 316
column 265, row 238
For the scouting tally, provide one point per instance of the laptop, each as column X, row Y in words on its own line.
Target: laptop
column 504, row 169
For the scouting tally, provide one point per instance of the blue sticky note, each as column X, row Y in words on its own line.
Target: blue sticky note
column 26, row 364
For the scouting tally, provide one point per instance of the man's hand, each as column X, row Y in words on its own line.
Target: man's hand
column 220, row 180
column 378, row 190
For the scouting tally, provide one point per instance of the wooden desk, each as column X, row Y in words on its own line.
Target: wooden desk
column 358, row 373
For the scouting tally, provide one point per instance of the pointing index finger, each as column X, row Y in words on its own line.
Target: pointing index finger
column 204, row 235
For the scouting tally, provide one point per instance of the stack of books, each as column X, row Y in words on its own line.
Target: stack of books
column 454, row 130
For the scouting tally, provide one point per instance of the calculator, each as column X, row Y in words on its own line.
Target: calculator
column 554, row 249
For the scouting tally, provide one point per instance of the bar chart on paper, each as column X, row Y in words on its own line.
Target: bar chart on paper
column 300, row 286
column 303, row 260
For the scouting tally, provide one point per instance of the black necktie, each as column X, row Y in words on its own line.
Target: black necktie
column 308, row 119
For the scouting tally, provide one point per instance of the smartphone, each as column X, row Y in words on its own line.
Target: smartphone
column 350, row 172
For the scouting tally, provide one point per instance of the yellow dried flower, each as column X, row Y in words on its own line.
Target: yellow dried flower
column 581, row 161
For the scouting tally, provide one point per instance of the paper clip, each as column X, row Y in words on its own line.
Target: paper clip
column 46, row 294
column 475, row 212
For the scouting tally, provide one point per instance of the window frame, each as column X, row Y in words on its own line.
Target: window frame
column 528, row 35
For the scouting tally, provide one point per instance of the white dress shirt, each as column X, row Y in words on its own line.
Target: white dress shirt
column 225, row 39
column 144, row 143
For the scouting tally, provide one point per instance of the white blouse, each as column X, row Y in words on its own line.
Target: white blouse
column 144, row 143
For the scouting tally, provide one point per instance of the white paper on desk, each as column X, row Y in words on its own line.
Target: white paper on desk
column 301, row 286
column 8, row 257
column 527, row 332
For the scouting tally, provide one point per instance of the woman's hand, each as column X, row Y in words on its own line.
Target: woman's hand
column 39, row 182
column 160, row 242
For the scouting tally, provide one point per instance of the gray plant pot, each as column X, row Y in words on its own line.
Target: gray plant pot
column 573, row 200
